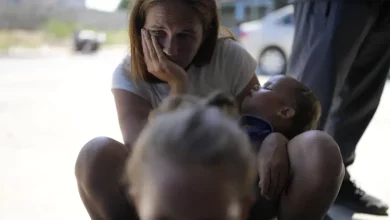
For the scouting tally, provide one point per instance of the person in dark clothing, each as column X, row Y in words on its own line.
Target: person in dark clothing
column 341, row 51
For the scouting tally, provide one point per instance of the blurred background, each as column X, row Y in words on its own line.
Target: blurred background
column 85, row 25
column 56, row 62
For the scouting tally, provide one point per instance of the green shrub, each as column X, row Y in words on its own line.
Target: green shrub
column 59, row 29
column 117, row 37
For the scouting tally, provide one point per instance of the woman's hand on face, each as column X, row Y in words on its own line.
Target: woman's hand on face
column 160, row 66
column 273, row 165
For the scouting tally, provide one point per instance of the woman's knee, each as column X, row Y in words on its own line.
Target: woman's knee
column 317, row 153
column 317, row 171
column 100, row 160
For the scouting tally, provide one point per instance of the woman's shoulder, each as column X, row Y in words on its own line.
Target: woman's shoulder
column 230, row 54
column 126, row 65
column 227, row 46
column 121, row 79
column 232, row 63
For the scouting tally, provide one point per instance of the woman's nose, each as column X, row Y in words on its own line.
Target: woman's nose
column 170, row 47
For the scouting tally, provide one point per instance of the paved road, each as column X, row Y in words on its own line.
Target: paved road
column 51, row 106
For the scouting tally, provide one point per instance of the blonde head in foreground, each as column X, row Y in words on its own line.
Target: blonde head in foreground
column 192, row 163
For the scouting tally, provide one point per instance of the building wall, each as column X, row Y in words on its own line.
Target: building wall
column 73, row 3
column 32, row 15
column 234, row 11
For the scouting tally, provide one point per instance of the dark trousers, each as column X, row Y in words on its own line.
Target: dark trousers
column 341, row 51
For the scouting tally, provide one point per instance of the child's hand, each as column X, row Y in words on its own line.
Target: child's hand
column 273, row 165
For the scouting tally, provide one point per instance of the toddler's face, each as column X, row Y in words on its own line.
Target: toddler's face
column 265, row 101
column 173, row 192
column 262, row 101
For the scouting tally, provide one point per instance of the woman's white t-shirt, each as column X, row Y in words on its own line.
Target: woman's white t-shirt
column 230, row 70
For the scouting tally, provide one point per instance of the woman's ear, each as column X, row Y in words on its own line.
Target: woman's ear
column 286, row 112
column 224, row 102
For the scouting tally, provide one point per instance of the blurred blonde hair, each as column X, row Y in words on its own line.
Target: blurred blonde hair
column 190, row 130
column 225, row 103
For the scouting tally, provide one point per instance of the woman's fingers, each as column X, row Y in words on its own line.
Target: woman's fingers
column 265, row 181
column 157, row 49
column 145, row 47
column 281, row 183
column 149, row 44
column 273, row 184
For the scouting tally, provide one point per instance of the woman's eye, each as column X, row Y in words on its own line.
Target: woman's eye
column 185, row 36
column 156, row 33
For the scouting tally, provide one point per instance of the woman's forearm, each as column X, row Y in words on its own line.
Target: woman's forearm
column 131, row 129
column 133, row 113
column 178, row 88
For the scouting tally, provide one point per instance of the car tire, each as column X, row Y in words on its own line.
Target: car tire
column 275, row 55
column 95, row 47
column 78, row 46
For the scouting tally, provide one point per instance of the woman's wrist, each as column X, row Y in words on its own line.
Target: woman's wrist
column 178, row 87
column 274, row 140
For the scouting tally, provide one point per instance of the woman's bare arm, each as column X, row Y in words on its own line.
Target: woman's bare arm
column 133, row 112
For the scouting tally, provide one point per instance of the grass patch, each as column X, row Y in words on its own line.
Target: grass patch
column 62, row 30
column 59, row 29
column 53, row 32
column 31, row 39
column 117, row 37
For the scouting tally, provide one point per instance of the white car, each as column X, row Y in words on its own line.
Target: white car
column 88, row 41
column 269, row 40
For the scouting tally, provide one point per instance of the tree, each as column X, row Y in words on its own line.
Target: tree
column 124, row 5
